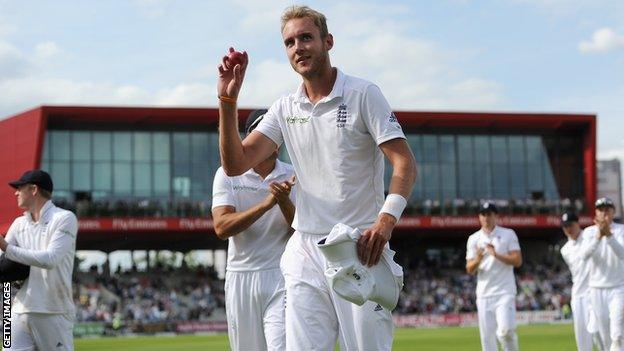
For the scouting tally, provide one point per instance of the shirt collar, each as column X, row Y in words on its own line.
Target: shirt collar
column 277, row 171
column 491, row 233
column 43, row 213
column 337, row 90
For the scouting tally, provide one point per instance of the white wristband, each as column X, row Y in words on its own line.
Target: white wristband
column 394, row 205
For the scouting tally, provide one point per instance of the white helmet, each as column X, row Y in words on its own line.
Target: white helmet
column 353, row 281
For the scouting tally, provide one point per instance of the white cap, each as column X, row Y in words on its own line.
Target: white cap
column 353, row 281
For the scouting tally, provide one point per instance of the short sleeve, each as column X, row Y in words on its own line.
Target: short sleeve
column 222, row 190
column 381, row 122
column 471, row 249
column 514, row 244
column 269, row 126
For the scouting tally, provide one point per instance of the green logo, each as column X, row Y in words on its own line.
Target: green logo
column 297, row 120
column 244, row 188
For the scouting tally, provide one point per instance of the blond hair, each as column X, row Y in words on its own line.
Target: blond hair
column 298, row 11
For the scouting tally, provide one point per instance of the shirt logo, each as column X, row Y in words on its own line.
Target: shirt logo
column 244, row 188
column 341, row 116
column 393, row 119
column 297, row 120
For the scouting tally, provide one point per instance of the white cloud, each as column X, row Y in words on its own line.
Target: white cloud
column 603, row 40
column 12, row 62
column 46, row 50
column 412, row 72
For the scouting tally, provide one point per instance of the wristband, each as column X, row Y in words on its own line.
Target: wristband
column 227, row 99
column 394, row 205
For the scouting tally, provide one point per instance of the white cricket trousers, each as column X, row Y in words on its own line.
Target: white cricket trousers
column 41, row 332
column 497, row 319
column 585, row 324
column 608, row 305
column 316, row 316
column 254, row 305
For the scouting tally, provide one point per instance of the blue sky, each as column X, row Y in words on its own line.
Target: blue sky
column 490, row 55
column 496, row 55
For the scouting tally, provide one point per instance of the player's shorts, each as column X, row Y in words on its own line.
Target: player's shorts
column 316, row 316
column 41, row 331
column 254, row 303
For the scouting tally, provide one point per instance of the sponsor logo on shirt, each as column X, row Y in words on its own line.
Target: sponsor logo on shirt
column 341, row 116
column 244, row 188
column 297, row 120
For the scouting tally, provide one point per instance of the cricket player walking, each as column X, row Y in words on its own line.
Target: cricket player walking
column 491, row 254
column 44, row 238
column 336, row 128
column 585, row 328
column 604, row 247
column 254, row 212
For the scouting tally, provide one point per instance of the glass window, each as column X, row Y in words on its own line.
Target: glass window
column 142, row 147
column 447, row 167
column 535, row 153
column 181, row 147
column 182, row 187
column 102, row 176
column 466, row 168
column 81, row 176
column 142, row 179
column 102, row 146
column 482, row 149
column 162, row 179
column 59, row 171
column 122, row 146
column 81, row 146
column 122, row 178
column 161, row 146
column 199, row 147
column 200, row 177
column 60, row 145
column 518, row 167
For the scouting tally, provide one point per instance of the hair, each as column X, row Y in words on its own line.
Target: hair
column 44, row 193
column 298, row 11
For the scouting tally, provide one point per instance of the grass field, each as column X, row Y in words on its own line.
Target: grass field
column 532, row 338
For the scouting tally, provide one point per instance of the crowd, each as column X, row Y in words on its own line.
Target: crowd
column 433, row 288
column 167, row 295
column 160, row 295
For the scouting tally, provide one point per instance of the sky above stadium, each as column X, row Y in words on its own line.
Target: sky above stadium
column 488, row 55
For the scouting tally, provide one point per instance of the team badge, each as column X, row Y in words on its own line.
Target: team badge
column 341, row 116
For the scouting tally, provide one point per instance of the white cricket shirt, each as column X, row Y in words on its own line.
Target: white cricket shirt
column 48, row 247
column 493, row 276
column 333, row 146
column 260, row 246
column 579, row 268
column 606, row 256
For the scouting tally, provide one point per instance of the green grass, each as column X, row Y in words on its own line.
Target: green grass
column 558, row 337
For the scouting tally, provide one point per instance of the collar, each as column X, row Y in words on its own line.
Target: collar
column 43, row 213
column 337, row 90
column 491, row 233
column 277, row 171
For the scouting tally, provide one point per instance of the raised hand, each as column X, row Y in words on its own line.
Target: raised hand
column 232, row 73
